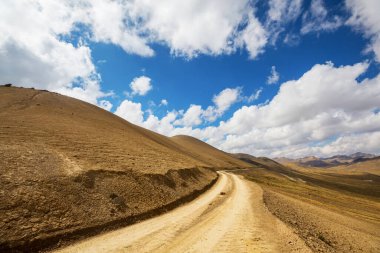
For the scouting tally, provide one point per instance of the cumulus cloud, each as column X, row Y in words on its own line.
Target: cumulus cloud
column 44, row 43
column 325, row 112
column 32, row 55
column 274, row 76
column 110, row 22
column 326, row 102
column 130, row 111
column 365, row 17
column 317, row 19
column 192, row 117
column 198, row 27
column 140, row 85
column 179, row 121
column 222, row 102
column 226, row 98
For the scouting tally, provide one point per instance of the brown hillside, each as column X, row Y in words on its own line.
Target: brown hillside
column 69, row 168
column 83, row 134
column 371, row 166
column 260, row 162
column 208, row 154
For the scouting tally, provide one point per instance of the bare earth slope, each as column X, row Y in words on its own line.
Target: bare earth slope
column 235, row 221
column 69, row 169
column 208, row 154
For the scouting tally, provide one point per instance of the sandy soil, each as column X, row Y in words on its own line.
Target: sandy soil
column 230, row 217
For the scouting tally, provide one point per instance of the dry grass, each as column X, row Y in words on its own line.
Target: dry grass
column 335, row 192
column 332, row 210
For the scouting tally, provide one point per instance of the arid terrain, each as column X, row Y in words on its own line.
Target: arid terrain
column 76, row 178
column 70, row 169
column 230, row 217
column 332, row 210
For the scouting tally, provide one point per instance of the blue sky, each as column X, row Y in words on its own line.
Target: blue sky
column 201, row 68
column 197, row 80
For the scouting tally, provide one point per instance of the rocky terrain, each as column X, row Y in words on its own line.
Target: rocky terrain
column 70, row 169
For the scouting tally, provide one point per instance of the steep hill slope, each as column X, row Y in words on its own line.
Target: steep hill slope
column 208, row 154
column 69, row 169
column 90, row 137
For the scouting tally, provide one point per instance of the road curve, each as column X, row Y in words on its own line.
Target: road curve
column 233, row 221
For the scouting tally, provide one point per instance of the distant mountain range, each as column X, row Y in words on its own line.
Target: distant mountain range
column 313, row 161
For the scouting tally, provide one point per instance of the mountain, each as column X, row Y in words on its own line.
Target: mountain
column 312, row 161
column 70, row 169
column 261, row 162
column 368, row 166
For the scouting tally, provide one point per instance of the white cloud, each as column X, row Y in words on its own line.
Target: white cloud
column 325, row 112
column 281, row 13
column 180, row 122
column 365, row 16
column 32, row 55
column 140, row 85
column 254, row 96
column 37, row 48
column 197, row 27
column 164, row 102
column 284, row 10
column 274, row 76
column 109, row 24
column 317, row 19
column 222, row 102
column 365, row 142
column 192, row 117
column 130, row 111
column 226, row 98
column 254, row 37
column 325, row 102
column 105, row 104
column 195, row 115
column 164, row 125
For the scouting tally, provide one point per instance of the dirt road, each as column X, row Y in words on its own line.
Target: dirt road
column 230, row 217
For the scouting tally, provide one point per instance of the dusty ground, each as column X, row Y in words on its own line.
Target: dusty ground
column 322, row 229
column 332, row 211
column 230, row 217
column 70, row 169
